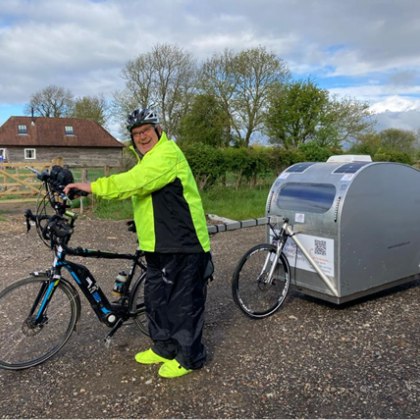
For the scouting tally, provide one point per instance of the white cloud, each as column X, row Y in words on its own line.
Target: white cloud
column 376, row 93
column 396, row 104
column 82, row 45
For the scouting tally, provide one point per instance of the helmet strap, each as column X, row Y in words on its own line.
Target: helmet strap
column 157, row 132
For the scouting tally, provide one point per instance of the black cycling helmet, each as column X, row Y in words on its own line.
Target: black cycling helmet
column 140, row 117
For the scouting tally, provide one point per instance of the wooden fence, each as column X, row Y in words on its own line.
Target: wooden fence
column 18, row 184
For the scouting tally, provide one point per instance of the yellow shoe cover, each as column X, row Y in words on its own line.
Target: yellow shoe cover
column 172, row 369
column 149, row 357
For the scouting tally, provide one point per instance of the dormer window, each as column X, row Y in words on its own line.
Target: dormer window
column 22, row 129
column 69, row 130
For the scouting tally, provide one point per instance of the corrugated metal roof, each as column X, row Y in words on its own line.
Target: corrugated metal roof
column 50, row 132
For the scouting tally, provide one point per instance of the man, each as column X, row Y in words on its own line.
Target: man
column 172, row 230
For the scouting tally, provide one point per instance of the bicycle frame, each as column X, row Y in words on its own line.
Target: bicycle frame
column 111, row 314
column 286, row 232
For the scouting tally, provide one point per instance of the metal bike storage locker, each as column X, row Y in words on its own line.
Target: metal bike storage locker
column 359, row 220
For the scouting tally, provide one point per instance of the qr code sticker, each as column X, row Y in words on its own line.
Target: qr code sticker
column 320, row 247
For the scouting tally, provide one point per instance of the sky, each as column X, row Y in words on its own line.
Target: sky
column 364, row 49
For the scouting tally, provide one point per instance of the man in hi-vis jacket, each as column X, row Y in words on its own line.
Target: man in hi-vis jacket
column 172, row 230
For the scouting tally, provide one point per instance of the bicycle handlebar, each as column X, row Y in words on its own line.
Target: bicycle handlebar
column 57, row 179
column 58, row 228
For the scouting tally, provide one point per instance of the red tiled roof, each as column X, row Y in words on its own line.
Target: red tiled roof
column 49, row 132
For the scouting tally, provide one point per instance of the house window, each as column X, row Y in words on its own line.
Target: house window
column 2, row 155
column 30, row 154
column 22, row 129
column 69, row 130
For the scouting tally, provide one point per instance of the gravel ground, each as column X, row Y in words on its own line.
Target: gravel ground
column 309, row 360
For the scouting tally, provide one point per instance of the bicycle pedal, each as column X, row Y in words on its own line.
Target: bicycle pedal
column 107, row 342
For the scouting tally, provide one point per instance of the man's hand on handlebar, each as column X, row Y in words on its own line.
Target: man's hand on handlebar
column 80, row 186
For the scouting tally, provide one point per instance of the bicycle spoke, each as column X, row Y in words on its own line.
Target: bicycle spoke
column 25, row 342
column 254, row 291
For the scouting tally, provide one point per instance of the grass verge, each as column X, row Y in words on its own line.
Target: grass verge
column 116, row 210
column 241, row 204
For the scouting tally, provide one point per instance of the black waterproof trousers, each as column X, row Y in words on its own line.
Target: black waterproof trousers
column 175, row 296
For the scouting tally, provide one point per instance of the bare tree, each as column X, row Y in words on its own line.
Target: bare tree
column 243, row 81
column 219, row 79
column 163, row 79
column 353, row 118
column 52, row 101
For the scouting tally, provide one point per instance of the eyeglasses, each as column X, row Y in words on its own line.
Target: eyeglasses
column 141, row 132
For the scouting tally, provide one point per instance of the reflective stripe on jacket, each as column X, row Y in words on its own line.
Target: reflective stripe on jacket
column 168, row 212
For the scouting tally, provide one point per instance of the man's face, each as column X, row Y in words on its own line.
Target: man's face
column 145, row 137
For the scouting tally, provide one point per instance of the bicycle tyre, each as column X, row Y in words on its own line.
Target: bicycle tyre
column 254, row 297
column 136, row 301
column 23, row 345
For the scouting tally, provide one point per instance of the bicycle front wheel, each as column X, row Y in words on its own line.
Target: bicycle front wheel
column 254, row 293
column 23, row 342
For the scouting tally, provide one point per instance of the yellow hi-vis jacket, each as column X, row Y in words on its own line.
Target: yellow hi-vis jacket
column 168, row 212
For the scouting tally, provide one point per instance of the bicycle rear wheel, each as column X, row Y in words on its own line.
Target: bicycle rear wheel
column 252, row 294
column 23, row 343
column 137, row 303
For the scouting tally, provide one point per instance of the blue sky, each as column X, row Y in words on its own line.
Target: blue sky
column 367, row 50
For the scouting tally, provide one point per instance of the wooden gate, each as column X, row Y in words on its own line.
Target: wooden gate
column 17, row 183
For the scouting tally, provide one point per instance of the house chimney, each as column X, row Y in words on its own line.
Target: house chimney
column 32, row 114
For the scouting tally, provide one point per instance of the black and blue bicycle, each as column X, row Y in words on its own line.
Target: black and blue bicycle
column 38, row 314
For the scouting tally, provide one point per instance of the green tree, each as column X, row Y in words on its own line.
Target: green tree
column 301, row 112
column 296, row 112
column 52, row 101
column 163, row 79
column 95, row 108
column 392, row 155
column 206, row 122
column 398, row 140
column 243, row 82
column 367, row 144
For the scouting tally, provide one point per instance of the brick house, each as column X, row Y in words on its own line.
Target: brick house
column 40, row 139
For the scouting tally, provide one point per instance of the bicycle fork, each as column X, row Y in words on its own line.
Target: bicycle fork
column 43, row 298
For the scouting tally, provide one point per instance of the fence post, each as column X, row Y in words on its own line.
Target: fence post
column 84, row 177
column 107, row 171
column 57, row 161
